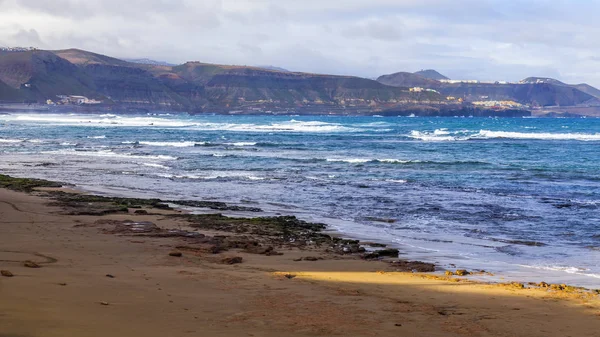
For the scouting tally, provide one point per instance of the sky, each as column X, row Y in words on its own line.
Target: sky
column 505, row 40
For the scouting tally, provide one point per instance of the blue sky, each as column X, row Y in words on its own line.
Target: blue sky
column 468, row 39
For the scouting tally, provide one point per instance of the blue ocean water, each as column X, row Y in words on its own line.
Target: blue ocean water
column 516, row 196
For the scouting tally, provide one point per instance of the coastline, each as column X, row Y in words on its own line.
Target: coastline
column 98, row 276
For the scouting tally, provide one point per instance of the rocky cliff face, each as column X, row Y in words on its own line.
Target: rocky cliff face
column 193, row 86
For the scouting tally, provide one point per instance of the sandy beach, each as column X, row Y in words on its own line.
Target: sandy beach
column 96, row 280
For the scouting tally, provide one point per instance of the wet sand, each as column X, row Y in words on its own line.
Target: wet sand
column 150, row 293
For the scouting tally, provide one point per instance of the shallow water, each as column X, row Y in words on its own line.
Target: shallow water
column 521, row 196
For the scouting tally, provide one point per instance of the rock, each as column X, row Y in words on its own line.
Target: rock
column 289, row 276
column 461, row 272
column 232, row 260
column 449, row 273
column 413, row 266
column 518, row 285
column 311, row 258
column 390, row 252
column 298, row 259
column 6, row 273
column 103, row 303
column 141, row 212
column 543, row 285
column 31, row 264
column 110, row 276
column 398, row 324
column 176, row 254
column 216, row 249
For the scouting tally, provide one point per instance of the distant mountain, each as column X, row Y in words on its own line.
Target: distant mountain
column 405, row 79
column 150, row 62
column 588, row 89
column 274, row 68
column 534, row 91
column 82, row 57
column 539, row 80
column 38, row 75
column 431, row 74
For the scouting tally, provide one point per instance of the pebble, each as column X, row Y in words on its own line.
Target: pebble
column 31, row 264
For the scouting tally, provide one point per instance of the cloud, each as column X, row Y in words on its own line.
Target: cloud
column 28, row 38
column 481, row 39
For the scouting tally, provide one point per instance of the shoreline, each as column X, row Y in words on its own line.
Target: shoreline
column 156, row 274
column 365, row 245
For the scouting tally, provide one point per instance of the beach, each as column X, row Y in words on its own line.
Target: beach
column 98, row 278
column 513, row 196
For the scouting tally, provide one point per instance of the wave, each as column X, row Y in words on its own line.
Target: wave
column 439, row 135
column 398, row 181
column 17, row 141
column 170, row 144
column 96, row 137
column 566, row 269
column 218, row 176
column 242, row 144
column 11, row 141
column 487, row 134
column 156, row 166
column 98, row 120
column 179, row 122
column 109, row 154
column 443, row 135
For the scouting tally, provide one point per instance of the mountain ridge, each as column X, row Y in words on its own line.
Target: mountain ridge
column 198, row 87
column 37, row 76
column 431, row 74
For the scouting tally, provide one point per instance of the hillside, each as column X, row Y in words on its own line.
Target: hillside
column 533, row 91
column 405, row 79
column 431, row 74
column 588, row 89
column 194, row 86
column 39, row 75
column 541, row 80
column 540, row 94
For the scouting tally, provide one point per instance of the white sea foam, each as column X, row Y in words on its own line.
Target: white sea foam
column 435, row 136
column 487, row 134
column 443, row 135
column 171, row 144
column 11, row 141
column 566, row 269
column 156, row 166
column 398, row 181
column 367, row 160
column 109, row 154
column 194, row 123
column 97, row 137
column 349, row 160
column 212, row 176
column 242, row 144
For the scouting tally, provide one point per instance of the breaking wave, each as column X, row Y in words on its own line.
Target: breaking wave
column 109, row 154
column 443, row 135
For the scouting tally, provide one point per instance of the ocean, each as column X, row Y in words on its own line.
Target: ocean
column 517, row 197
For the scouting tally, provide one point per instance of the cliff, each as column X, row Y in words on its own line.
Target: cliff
column 194, row 86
